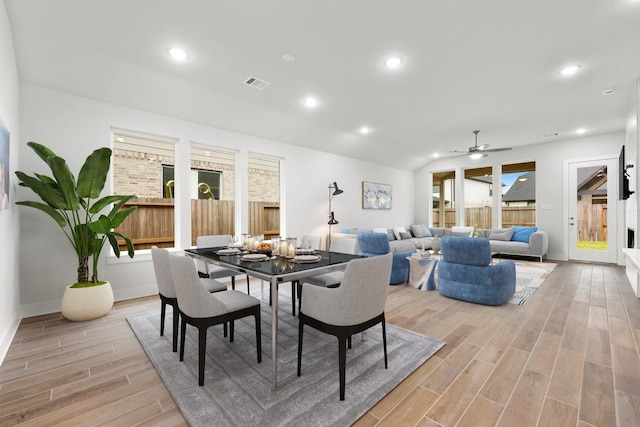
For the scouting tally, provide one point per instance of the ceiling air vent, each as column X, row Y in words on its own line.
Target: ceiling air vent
column 256, row 83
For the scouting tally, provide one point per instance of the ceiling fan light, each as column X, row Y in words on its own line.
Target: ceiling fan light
column 476, row 156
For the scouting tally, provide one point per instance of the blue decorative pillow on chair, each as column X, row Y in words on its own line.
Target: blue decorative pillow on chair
column 522, row 234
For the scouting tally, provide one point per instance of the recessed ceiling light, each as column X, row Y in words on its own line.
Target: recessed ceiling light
column 310, row 102
column 364, row 130
column 580, row 131
column 287, row 57
column 393, row 62
column 178, row 54
column 435, row 155
column 570, row 70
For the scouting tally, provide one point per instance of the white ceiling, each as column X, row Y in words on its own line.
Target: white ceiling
column 490, row 65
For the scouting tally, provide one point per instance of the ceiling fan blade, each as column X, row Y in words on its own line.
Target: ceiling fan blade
column 458, row 151
column 493, row 150
column 483, row 147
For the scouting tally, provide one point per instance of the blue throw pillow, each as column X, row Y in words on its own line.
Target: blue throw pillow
column 522, row 234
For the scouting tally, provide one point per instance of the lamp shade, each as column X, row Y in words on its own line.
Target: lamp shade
column 337, row 190
column 332, row 220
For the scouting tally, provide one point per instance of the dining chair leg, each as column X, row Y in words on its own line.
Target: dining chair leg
column 231, row 331
column 384, row 342
column 300, row 333
column 224, row 328
column 176, row 321
column 183, row 334
column 342, row 362
column 163, row 312
column 258, row 335
column 233, row 283
column 202, row 351
column 248, row 286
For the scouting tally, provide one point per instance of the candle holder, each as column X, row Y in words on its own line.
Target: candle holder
column 291, row 247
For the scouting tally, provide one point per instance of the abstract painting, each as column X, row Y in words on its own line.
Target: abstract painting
column 376, row 196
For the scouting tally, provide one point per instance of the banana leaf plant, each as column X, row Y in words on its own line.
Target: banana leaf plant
column 76, row 207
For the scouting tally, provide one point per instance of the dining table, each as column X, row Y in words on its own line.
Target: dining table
column 275, row 270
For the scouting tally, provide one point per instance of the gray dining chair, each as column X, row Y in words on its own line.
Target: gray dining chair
column 333, row 278
column 353, row 307
column 207, row 269
column 202, row 309
column 167, row 292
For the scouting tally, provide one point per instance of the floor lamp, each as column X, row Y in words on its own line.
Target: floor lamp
column 332, row 218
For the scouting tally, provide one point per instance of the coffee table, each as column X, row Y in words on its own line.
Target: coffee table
column 422, row 272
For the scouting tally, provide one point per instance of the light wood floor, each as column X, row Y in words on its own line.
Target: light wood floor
column 569, row 357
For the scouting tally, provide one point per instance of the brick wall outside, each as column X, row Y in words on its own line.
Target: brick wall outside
column 141, row 174
column 264, row 185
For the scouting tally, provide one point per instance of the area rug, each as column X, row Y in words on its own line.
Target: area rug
column 238, row 391
column 529, row 277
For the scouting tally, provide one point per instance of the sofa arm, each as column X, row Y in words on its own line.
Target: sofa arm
column 539, row 243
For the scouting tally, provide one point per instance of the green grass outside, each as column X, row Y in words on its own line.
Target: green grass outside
column 595, row 246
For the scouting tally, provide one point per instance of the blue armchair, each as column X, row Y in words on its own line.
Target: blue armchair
column 465, row 272
column 373, row 244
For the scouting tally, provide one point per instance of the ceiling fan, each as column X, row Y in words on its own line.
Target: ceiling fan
column 479, row 151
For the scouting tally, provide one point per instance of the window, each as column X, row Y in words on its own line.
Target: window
column 212, row 189
column 444, row 190
column 263, row 181
column 519, row 194
column 144, row 166
column 478, row 197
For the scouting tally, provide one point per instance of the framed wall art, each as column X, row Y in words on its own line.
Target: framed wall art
column 376, row 196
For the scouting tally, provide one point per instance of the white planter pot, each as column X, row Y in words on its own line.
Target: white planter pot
column 80, row 304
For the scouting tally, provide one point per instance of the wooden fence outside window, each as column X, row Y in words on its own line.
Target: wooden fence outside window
column 153, row 223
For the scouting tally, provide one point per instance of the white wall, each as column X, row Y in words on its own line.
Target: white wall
column 74, row 126
column 550, row 193
column 631, row 158
column 9, row 219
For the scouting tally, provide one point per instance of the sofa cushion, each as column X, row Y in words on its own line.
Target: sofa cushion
column 438, row 231
column 404, row 235
column 398, row 230
column 504, row 234
column 400, row 246
column 522, row 234
column 458, row 229
column 420, row 230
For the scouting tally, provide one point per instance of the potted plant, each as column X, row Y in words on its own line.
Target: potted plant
column 76, row 207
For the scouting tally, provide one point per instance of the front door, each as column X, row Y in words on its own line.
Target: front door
column 592, row 193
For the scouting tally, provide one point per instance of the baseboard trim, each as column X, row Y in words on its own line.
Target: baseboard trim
column 7, row 338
